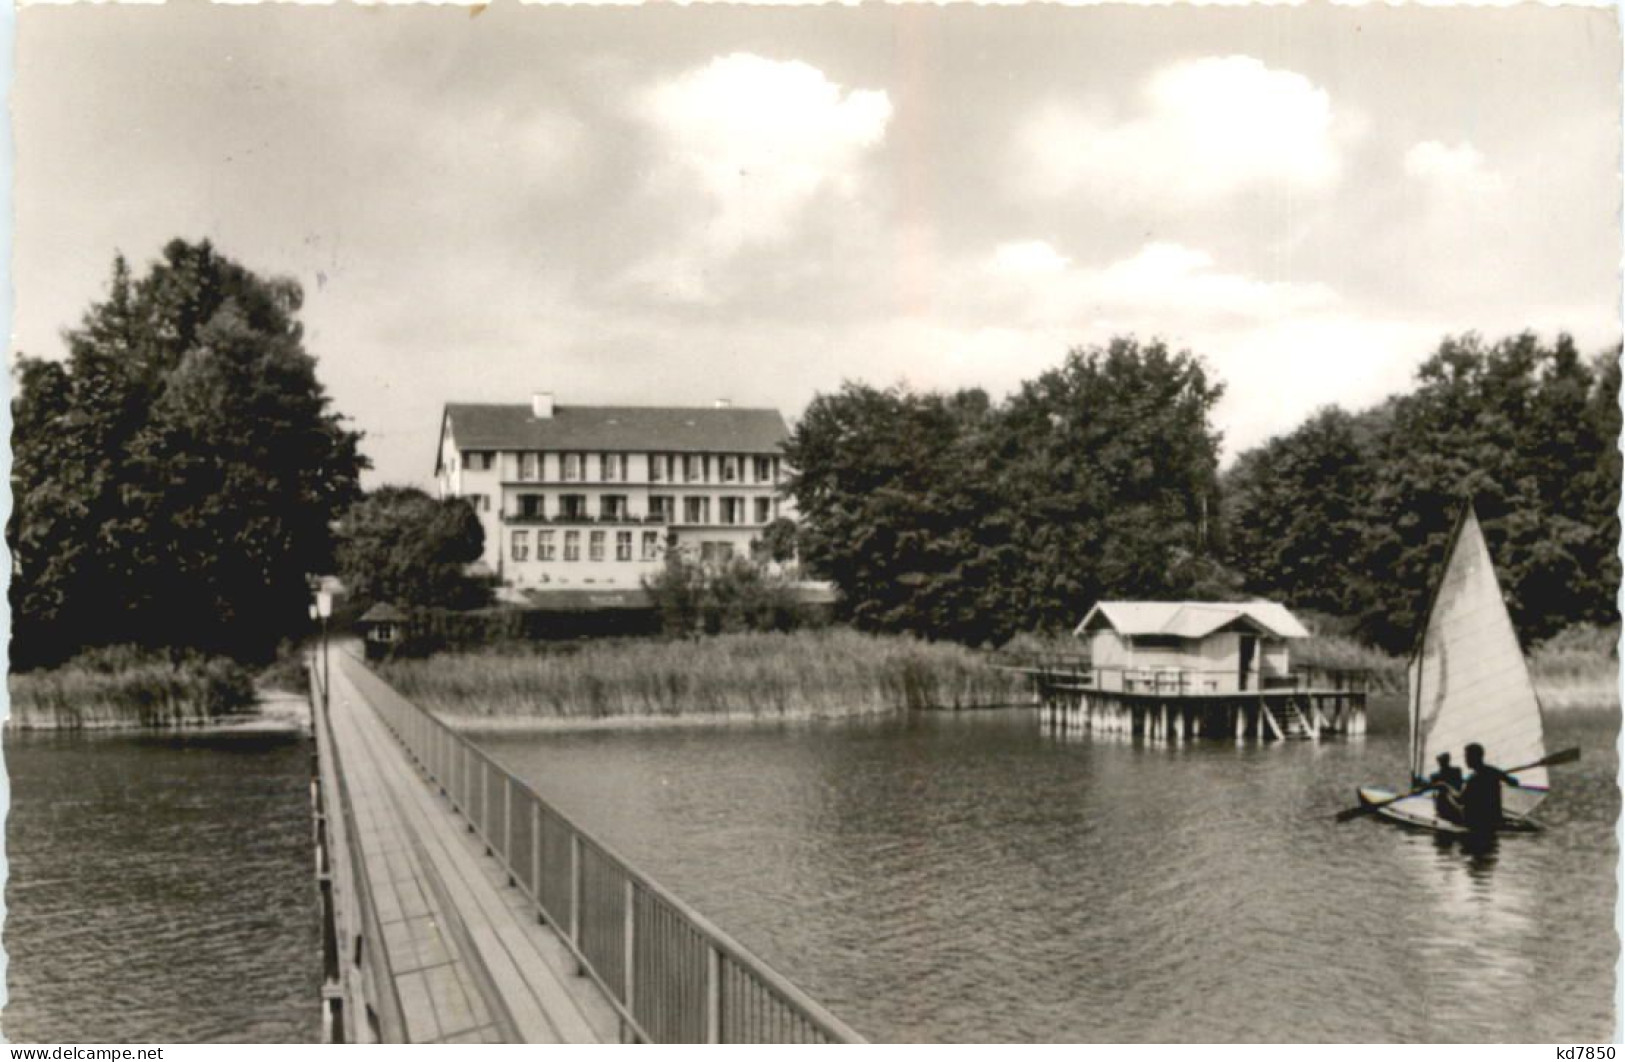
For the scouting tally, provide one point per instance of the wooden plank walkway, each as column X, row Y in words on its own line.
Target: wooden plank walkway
column 465, row 952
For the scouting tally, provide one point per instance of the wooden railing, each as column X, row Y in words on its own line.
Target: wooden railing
column 671, row 975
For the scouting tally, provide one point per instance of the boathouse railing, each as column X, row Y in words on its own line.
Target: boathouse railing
column 672, row 976
column 1069, row 672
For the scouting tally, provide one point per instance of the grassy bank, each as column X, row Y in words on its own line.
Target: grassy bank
column 807, row 674
column 1579, row 668
column 122, row 687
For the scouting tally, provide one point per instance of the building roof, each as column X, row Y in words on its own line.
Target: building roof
column 1191, row 619
column 383, row 612
column 672, row 429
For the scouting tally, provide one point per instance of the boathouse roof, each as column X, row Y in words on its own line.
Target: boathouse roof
column 669, row 429
column 383, row 612
column 1191, row 619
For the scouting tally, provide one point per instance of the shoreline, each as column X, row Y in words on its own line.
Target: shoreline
column 519, row 724
column 273, row 711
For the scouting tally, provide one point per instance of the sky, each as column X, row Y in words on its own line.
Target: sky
column 670, row 205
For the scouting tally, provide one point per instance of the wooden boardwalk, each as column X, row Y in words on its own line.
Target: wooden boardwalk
column 453, row 953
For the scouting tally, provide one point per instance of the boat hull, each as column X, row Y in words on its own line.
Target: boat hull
column 1417, row 812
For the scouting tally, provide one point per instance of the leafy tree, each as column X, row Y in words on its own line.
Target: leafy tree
column 399, row 545
column 735, row 595
column 947, row 516
column 778, row 541
column 1294, row 511
column 176, row 476
column 1351, row 514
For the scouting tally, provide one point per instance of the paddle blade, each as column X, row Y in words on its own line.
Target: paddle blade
column 1566, row 756
column 1353, row 813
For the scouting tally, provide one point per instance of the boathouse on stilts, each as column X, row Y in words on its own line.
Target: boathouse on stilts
column 1178, row 670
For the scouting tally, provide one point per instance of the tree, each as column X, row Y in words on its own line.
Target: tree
column 177, row 475
column 1352, row 514
column 1294, row 511
column 400, row 546
column 947, row 516
column 1112, row 462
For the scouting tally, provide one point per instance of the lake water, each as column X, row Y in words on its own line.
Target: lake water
column 161, row 889
column 973, row 877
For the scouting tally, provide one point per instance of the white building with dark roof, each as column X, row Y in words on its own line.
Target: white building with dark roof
column 592, row 496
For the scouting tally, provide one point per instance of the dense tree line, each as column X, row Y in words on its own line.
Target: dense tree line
column 950, row 516
column 1349, row 514
column 173, row 480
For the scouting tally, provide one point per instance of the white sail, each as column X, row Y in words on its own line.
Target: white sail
column 1469, row 683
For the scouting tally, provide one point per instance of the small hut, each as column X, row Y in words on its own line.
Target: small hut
column 382, row 627
column 1213, row 647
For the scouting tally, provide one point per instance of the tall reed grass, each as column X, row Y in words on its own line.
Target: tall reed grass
column 126, row 687
column 804, row 674
column 1577, row 668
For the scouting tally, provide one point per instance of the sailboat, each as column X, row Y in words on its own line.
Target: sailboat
column 1469, row 683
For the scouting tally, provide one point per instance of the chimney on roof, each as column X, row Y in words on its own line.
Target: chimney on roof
column 541, row 405
column 724, row 403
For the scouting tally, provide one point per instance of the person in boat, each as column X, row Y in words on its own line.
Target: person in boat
column 1480, row 798
column 1446, row 784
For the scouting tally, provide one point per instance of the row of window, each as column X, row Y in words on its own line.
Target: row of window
column 547, row 542
column 662, row 508
column 617, row 467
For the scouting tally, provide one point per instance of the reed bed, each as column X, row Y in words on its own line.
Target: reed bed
column 806, row 674
column 122, row 687
column 1578, row 668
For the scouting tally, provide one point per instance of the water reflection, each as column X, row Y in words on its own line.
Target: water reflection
column 980, row 877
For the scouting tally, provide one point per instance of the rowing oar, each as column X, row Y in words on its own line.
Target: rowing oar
column 1565, row 756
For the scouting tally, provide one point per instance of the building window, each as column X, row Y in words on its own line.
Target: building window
column 530, row 466
column 572, row 545
column 608, row 466
column 595, row 546
column 477, row 460
column 730, row 468
column 764, row 510
column 764, row 469
column 662, row 507
column 521, row 545
column 716, row 552
column 651, row 545
column 612, row 507
column 692, row 467
column 696, row 510
column 572, row 506
column 544, row 545
column 657, row 468
column 532, row 506
column 572, row 467
column 623, row 545
column 733, row 510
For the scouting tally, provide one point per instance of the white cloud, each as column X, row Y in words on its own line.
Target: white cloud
column 1162, row 285
column 1450, row 169
column 1206, row 129
column 760, row 138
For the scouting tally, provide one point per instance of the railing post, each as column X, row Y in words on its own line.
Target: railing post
column 575, row 898
column 485, row 806
column 713, row 995
column 536, row 858
column 507, row 827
